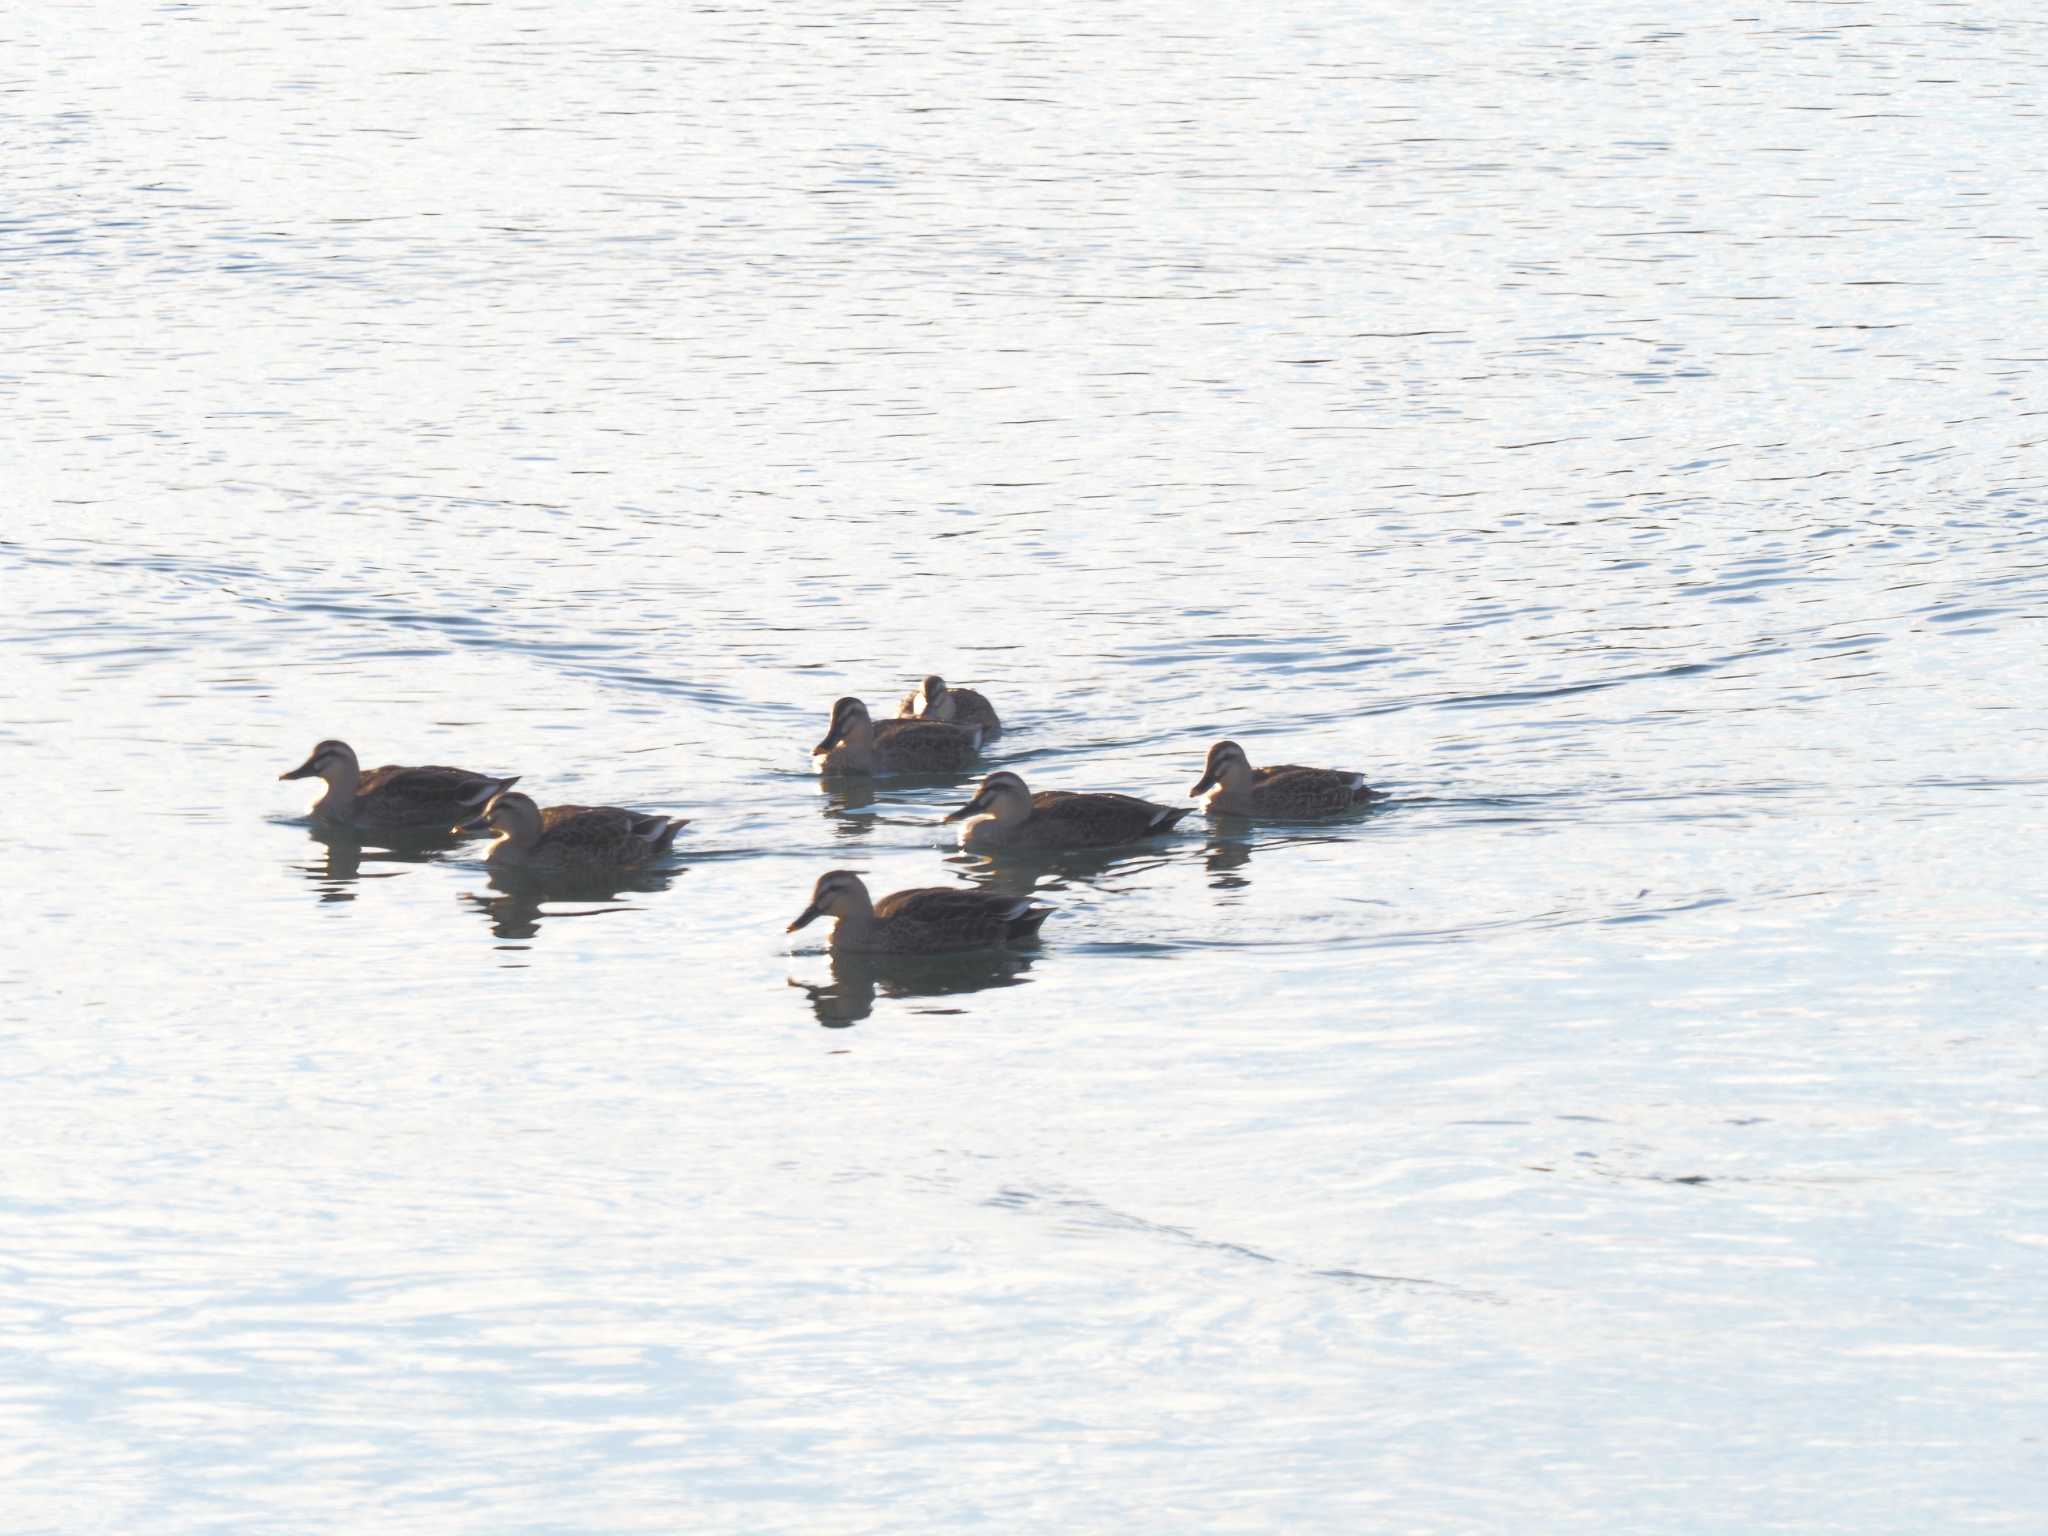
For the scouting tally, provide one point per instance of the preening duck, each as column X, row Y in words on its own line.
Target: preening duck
column 933, row 700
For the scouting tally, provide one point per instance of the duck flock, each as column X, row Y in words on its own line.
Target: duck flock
column 937, row 730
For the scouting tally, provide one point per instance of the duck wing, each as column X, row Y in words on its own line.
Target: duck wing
column 1098, row 819
column 961, row 918
column 926, row 743
column 432, row 791
column 971, row 708
column 594, row 834
column 1311, row 790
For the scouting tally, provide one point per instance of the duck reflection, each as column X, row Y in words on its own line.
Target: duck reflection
column 847, row 802
column 857, row 980
column 339, row 865
column 1227, row 852
column 1024, row 873
column 524, row 900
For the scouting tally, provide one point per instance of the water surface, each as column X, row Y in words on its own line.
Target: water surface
column 1612, row 432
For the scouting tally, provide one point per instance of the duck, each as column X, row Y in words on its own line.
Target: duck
column 928, row 920
column 1286, row 792
column 933, row 700
column 393, row 798
column 855, row 743
column 572, row 837
column 1006, row 814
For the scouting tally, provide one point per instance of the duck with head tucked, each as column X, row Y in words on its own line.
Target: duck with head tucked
column 392, row 798
column 856, row 743
column 1006, row 814
column 1283, row 793
column 933, row 700
column 928, row 920
column 572, row 838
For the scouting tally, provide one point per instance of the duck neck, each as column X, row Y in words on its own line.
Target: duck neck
column 983, row 832
column 517, row 836
column 339, row 803
column 854, row 924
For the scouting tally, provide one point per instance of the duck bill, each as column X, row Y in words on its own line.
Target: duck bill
column 305, row 770
column 825, row 746
column 978, row 803
column 481, row 822
column 805, row 918
column 1208, row 782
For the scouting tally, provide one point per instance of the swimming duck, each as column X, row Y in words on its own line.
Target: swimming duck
column 1283, row 793
column 928, row 920
column 572, row 837
column 1005, row 814
column 855, row 743
column 933, row 700
column 392, row 798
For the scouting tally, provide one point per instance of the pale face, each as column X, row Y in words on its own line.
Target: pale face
column 513, row 815
column 849, row 717
column 1002, row 795
column 1227, row 765
column 330, row 760
column 836, row 894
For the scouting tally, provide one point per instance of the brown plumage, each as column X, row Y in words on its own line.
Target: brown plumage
column 933, row 700
column 394, row 798
column 928, row 920
column 1287, row 792
column 856, row 743
column 1006, row 814
column 573, row 837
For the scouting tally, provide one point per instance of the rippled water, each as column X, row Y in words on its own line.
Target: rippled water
column 1613, row 432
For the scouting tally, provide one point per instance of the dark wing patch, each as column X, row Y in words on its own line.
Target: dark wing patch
column 930, row 903
column 555, row 816
column 970, row 708
column 1101, row 818
column 429, row 785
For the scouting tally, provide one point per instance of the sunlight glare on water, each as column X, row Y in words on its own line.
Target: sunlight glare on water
column 1611, row 433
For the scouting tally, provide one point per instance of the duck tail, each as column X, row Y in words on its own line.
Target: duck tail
column 1026, row 924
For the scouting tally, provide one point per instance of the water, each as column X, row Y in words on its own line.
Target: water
column 1616, row 433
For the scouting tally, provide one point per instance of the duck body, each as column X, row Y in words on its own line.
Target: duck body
column 926, row 920
column 429, row 798
column 1007, row 814
column 566, row 838
column 1285, row 792
column 933, row 700
column 855, row 743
